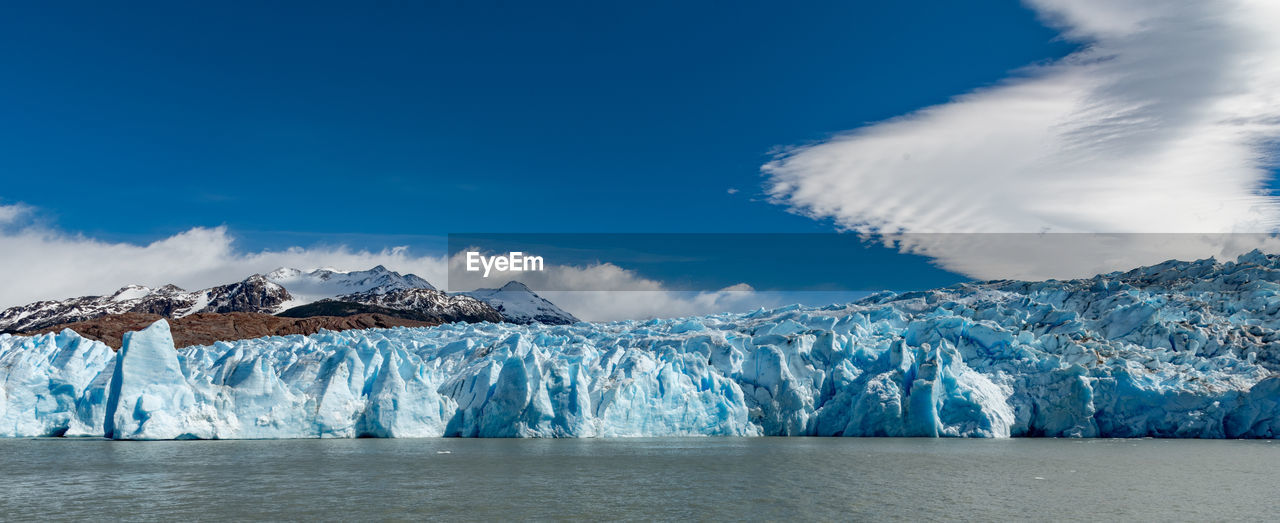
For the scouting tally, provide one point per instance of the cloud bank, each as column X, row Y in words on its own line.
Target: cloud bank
column 1165, row 121
column 606, row 292
column 42, row 262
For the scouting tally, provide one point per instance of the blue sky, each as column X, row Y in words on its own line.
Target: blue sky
column 295, row 125
column 194, row 144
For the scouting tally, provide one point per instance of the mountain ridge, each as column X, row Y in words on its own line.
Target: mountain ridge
column 406, row 296
column 519, row 304
column 253, row 294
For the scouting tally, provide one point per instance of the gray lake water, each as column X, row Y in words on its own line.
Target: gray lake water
column 695, row 478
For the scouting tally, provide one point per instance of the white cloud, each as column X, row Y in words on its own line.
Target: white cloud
column 606, row 292
column 601, row 276
column 641, row 305
column 43, row 263
column 1165, row 121
column 9, row 214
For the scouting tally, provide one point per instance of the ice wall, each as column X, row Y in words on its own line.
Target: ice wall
column 1181, row 350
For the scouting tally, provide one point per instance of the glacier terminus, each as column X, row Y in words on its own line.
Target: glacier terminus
column 1180, row 349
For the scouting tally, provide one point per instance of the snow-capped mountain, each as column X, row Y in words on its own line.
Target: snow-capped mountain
column 254, row 294
column 430, row 303
column 277, row 291
column 518, row 304
column 318, row 284
column 285, row 289
column 513, row 303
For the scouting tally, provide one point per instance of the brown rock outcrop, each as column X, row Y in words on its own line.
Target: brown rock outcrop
column 206, row 328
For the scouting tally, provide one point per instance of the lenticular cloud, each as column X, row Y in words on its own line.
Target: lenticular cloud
column 1165, row 121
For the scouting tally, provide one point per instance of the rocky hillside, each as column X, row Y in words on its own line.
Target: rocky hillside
column 296, row 293
column 428, row 303
column 254, row 294
column 207, row 328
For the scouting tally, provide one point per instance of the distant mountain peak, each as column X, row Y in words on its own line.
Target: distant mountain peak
column 515, row 286
column 519, row 304
column 283, row 272
column 328, row 282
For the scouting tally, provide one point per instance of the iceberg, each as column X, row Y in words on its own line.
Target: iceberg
column 1181, row 349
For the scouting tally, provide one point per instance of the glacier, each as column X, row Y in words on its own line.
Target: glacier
column 1181, row 349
